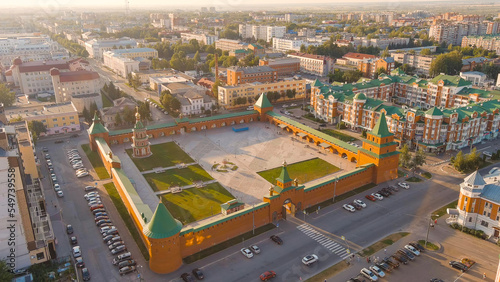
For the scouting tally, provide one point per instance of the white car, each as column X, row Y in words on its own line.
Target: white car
column 378, row 196
column 310, row 259
column 76, row 252
column 57, row 187
column 413, row 250
column 293, row 105
column 83, row 174
column 81, row 170
column 255, row 249
column 60, row 194
column 95, row 202
column 486, row 153
column 246, row 252
column 377, row 271
column 91, row 194
column 368, row 274
column 361, row 203
column 404, row 185
column 348, row 207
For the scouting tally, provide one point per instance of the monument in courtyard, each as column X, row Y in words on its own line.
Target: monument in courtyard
column 140, row 141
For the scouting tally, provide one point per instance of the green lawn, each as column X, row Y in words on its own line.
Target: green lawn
column 387, row 241
column 164, row 155
column 304, row 171
column 106, row 102
column 339, row 135
column 443, row 210
column 96, row 162
column 181, row 177
column 122, row 209
column 196, row 203
column 414, row 179
column 427, row 175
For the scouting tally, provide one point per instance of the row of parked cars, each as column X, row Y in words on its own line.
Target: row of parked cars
column 153, row 104
column 53, row 176
column 77, row 253
column 389, row 264
column 76, row 162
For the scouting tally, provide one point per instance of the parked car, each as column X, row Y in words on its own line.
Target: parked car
column 407, row 254
column 417, row 246
column 95, row 207
column 276, row 240
column 94, row 203
column 198, row 274
column 98, row 218
column 118, row 249
column 400, row 258
column 356, row 206
column 458, row 265
column 383, row 193
column 412, row 249
column 114, row 240
column 310, row 259
column 59, row 141
column 359, row 202
column 90, row 188
column 122, row 257
column 45, row 149
column 116, row 244
column 85, row 274
column 69, row 229
column 83, row 174
column 102, row 221
column 101, row 214
column 267, row 275
column 368, row 274
column 76, row 252
column 384, row 266
column 73, row 240
column 124, row 263
column 105, row 229
column 255, row 249
column 107, row 238
column 375, row 269
column 186, row 277
column 60, row 194
column 467, row 262
column 348, row 207
column 388, row 191
column 394, row 188
column 126, row 270
column 112, row 231
column 378, row 196
column 79, row 262
column 404, row 185
column 371, row 198
column 99, row 210
column 390, row 261
column 247, row 253
column 91, row 194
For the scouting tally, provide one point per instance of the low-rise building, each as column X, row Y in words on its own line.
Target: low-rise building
column 470, row 64
column 314, row 64
column 200, row 37
column 283, row 66
column 370, row 67
column 194, row 103
column 250, row 91
column 97, row 47
column 477, row 78
column 353, row 59
column 120, row 65
column 241, row 75
column 291, row 44
column 58, row 118
column 420, row 63
column 230, row 45
column 157, row 83
column 108, row 114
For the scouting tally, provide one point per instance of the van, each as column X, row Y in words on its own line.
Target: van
column 94, row 207
column 122, row 257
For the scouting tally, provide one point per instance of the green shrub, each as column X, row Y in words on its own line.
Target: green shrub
column 455, row 225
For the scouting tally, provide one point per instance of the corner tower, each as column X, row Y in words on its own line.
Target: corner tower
column 140, row 140
column 97, row 130
column 164, row 241
column 379, row 148
column 263, row 106
column 284, row 181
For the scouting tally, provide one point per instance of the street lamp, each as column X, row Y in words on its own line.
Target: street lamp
column 428, row 229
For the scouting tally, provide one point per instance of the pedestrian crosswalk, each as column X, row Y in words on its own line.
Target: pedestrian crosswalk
column 326, row 242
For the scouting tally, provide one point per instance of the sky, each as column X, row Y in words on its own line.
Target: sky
column 223, row 4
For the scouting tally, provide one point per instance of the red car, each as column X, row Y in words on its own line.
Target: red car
column 267, row 275
column 371, row 198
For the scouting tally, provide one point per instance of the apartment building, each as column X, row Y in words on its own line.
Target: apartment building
column 440, row 114
column 282, row 66
column 58, row 118
column 119, row 64
column 29, row 48
column 200, row 37
column 241, row 75
column 134, row 53
column 80, row 87
column 452, row 33
column 34, row 77
column 230, row 45
column 291, row 44
column 261, row 32
column 228, row 94
column 314, row 64
column 97, row 47
column 478, row 204
column 354, row 59
column 420, row 63
column 488, row 42
column 470, row 64
column 369, row 67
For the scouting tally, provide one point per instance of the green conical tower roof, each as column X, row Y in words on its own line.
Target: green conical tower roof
column 317, row 83
column 380, row 129
column 138, row 122
column 97, row 126
column 434, row 111
column 162, row 224
column 263, row 102
column 284, row 177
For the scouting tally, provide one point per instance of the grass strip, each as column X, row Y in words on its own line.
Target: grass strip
column 382, row 244
column 442, row 210
column 96, row 162
column 122, row 210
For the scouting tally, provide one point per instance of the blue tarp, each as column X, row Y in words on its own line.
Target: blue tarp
column 240, row 129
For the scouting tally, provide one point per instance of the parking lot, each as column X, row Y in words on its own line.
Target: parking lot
column 73, row 209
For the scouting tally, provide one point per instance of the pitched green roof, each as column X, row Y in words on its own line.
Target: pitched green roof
column 317, row 83
column 434, row 111
column 380, row 129
column 162, row 224
column 284, row 177
column 96, row 126
column 453, row 80
column 138, row 125
column 360, row 96
column 263, row 102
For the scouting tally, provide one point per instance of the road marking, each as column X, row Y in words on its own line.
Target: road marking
column 324, row 241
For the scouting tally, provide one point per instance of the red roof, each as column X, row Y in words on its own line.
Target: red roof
column 42, row 66
column 311, row 56
column 78, row 76
column 358, row 56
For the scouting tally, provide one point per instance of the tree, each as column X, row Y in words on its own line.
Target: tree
column 363, row 133
column 386, row 53
column 197, row 56
column 93, row 109
column 118, row 119
column 404, row 156
column 215, row 88
column 5, row 273
column 419, row 158
column 128, row 115
column 7, row 97
column 380, row 71
column 86, row 115
column 36, row 128
column 450, row 63
column 425, row 52
column 459, row 162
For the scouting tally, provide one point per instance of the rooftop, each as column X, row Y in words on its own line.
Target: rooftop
column 255, row 69
column 358, row 56
column 133, row 50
